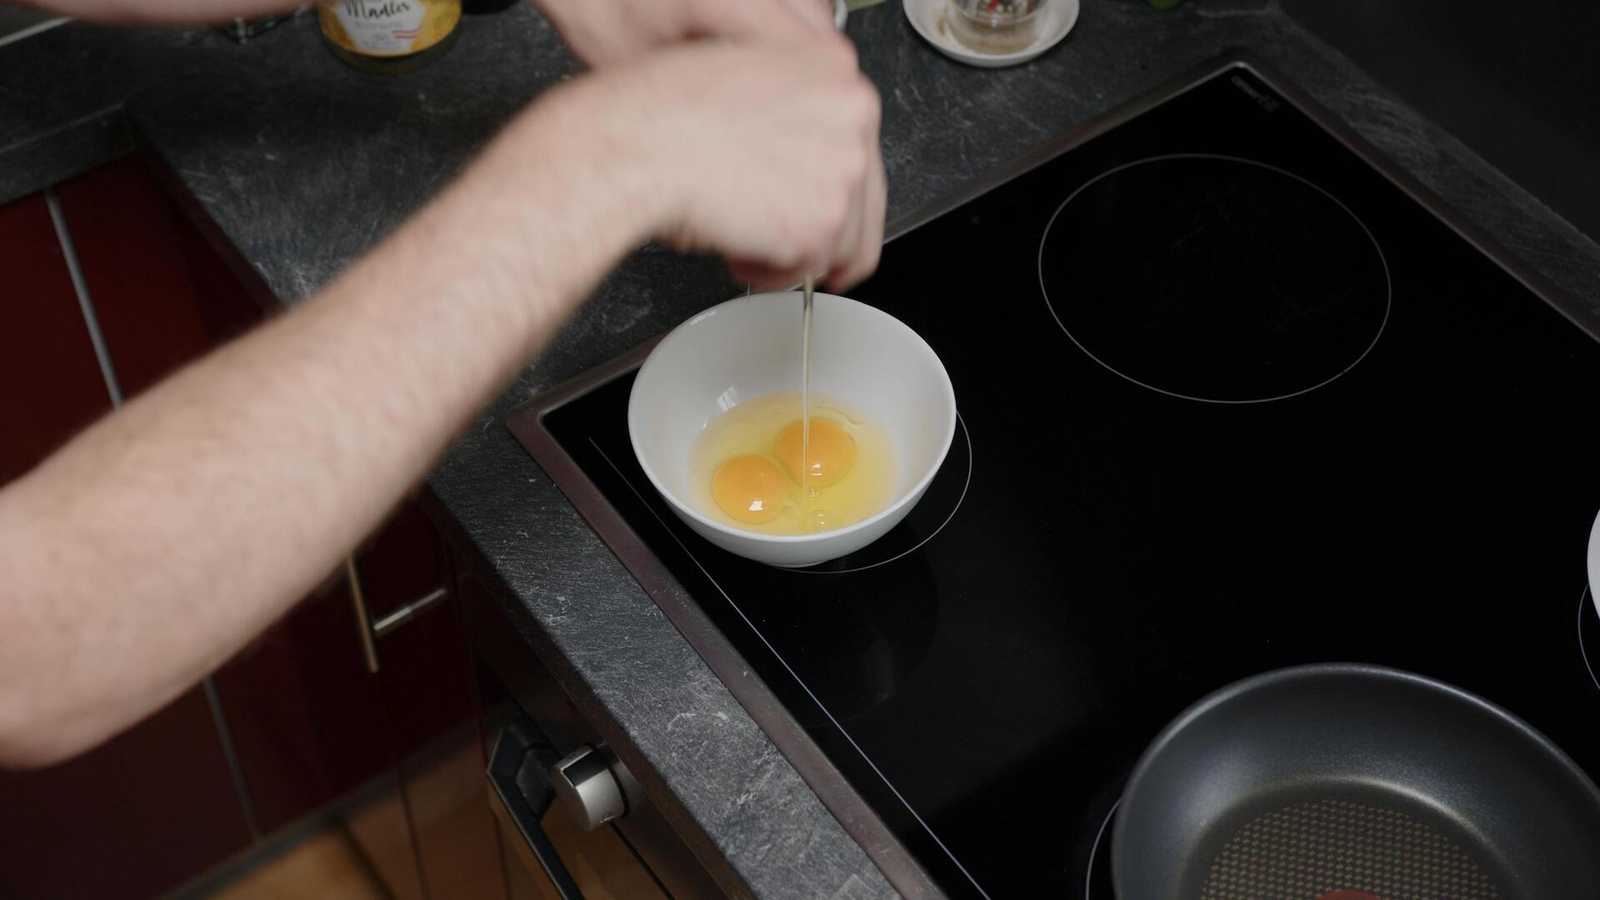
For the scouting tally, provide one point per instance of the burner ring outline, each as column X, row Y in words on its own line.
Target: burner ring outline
column 1388, row 277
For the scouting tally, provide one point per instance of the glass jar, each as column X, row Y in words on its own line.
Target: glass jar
column 995, row 26
column 389, row 36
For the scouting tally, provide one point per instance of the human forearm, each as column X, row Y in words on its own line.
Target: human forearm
column 163, row 10
column 151, row 547
column 159, row 541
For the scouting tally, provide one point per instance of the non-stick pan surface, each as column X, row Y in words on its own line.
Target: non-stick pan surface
column 1308, row 782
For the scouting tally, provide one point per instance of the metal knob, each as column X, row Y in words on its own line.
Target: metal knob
column 587, row 788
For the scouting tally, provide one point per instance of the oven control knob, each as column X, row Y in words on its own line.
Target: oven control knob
column 588, row 788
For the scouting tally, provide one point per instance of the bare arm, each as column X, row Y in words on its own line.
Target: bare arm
column 151, row 547
column 164, row 10
column 601, row 31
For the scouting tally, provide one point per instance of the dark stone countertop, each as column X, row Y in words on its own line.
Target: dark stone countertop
column 304, row 164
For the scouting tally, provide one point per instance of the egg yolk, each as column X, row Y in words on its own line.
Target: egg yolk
column 833, row 452
column 750, row 489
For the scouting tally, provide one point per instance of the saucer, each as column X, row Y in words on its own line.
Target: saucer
column 928, row 18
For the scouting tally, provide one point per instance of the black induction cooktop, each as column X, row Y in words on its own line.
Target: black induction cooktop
column 1231, row 399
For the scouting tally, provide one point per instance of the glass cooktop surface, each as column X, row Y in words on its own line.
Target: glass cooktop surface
column 1230, row 400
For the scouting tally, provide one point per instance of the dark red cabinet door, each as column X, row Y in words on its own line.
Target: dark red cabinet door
column 155, row 805
column 135, row 817
column 424, row 674
column 307, row 719
column 162, row 296
column 309, row 722
column 50, row 381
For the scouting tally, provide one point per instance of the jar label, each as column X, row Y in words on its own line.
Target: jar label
column 388, row 27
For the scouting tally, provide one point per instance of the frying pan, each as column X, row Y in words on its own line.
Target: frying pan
column 1354, row 781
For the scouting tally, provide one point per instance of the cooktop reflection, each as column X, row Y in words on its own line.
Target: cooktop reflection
column 1230, row 401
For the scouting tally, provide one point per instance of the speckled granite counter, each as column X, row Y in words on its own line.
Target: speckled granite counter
column 304, row 164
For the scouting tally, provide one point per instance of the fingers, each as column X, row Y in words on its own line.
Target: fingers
column 857, row 255
column 832, row 221
column 846, row 248
column 785, row 177
column 606, row 33
column 869, row 246
column 761, row 276
column 840, row 225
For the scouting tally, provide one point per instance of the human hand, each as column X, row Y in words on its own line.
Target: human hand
column 766, row 153
column 603, row 32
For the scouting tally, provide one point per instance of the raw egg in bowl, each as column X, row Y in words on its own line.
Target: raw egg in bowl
column 715, row 421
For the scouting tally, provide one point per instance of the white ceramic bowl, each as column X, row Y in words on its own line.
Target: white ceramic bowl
column 1594, row 562
column 861, row 357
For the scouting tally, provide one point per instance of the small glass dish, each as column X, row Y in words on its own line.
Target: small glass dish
column 995, row 26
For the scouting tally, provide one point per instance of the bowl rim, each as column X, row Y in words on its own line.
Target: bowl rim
column 685, row 509
column 1594, row 562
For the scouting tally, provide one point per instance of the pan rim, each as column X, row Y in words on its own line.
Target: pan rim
column 1230, row 692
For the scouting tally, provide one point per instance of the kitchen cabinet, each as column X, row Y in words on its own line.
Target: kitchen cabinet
column 50, row 382
column 454, row 829
column 424, row 675
column 134, row 817
column 310, row 721
column 162, row 295
column 307, row 720
column 425, row 687
column 156, row 804
column 381, row 826
column 425, row 827
column 305, row 715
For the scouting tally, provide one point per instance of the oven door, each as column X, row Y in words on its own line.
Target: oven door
column 548, row 856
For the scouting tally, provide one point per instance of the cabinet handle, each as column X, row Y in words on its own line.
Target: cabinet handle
column 369, row 641
column 406, row 613
column 370, row 631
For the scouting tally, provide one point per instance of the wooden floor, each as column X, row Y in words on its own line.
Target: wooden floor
column 325, row 865
column 443, row 825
